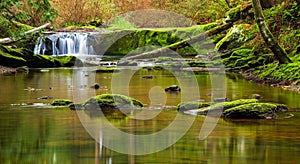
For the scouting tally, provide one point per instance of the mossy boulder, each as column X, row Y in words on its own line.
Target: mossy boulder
column 236, row 37
column 7, row 58
column 255, row 111
column 237, row 109
column 61, row 102
column 24, row 57
column 108, row 102
column 223, row 106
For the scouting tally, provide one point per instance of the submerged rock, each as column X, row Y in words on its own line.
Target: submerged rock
column 221, row 99
column 76, row 106
column 23, row 69
column 192, row 105
column 61, row 102
column 45, row 98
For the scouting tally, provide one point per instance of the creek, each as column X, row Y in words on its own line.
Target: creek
column 33, row 132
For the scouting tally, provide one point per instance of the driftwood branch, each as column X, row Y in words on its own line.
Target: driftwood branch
column 9, row 40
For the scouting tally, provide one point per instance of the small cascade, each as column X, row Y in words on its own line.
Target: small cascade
column 65, row 44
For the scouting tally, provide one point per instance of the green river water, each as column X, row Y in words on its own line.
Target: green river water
column 31, row 132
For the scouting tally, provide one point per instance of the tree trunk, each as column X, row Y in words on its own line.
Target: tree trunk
column 266, row 4
column 228, row 3
column 268, row 37
column 9, row 40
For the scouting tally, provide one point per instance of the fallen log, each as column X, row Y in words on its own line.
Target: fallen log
column 183, row 43
column 9, row 40
column 244, row 9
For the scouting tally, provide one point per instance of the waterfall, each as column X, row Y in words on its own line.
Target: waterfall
column 65, row 44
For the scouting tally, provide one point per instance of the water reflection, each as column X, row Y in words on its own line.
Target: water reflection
column 43, row 135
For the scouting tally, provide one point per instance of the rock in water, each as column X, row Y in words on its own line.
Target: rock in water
column 111, row 102
column 222, row 99
column 95, row 86
column 173, row 88
column 255, row 96
column 61, row 102
column 255, row 111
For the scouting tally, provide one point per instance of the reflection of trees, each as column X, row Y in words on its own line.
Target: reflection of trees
column 34, row 136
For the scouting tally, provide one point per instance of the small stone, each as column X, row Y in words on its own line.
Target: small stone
column 255, row 96
column 173, row 88
column 45, row 98
column 95, row 86
column 148, row 77
column 221, row 99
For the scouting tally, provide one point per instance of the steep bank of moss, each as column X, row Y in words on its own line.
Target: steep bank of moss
column 243, row 49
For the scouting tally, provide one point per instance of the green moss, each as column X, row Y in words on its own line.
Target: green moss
column 254, row 111
column 223, row 106
column 82, row 27
column 233, row 14
column 111, row 101
column 107, row 70
column 236, row 37
column 61, row 102
column 192, row 105
column 276, row 71
column 8, row 58
column 198, row 64
column 136, row 41
column 209, row 26
column 66, row 61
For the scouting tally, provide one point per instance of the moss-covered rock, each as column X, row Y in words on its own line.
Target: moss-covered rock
column 109, row 102
column 254, row 111
column 107, row 70
column 24, row 57
column 223, row 106
column 236, row 37
column 7, row 58
column 61, row 102
column 191, row 105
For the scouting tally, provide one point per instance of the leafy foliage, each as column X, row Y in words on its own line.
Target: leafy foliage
column 30, row 12
column 85, row 11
